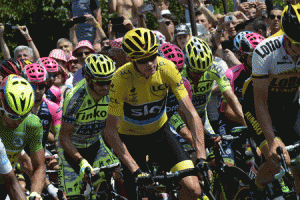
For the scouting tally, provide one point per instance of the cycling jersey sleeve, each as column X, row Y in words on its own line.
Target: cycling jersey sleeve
column 261, row 62
column 188, row 87
column 5, row 166
column 34, row 130
column 175, row 80
column 220, row 78
column 117, row 94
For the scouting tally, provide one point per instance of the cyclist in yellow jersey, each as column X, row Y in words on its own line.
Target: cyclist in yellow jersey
column 275, row 73
column 136, row 123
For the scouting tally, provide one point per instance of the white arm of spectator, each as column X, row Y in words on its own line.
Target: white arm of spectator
column 73, row 37
column 98, row 17
column 4, row 47
column 112, row 6
column 25, row 33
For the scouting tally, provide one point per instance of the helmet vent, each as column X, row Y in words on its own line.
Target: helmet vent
column 133, row 46
column 139, row 33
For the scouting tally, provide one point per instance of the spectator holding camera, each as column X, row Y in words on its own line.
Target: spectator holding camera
column 90, row 19
column 82, row 8
column 21, row 52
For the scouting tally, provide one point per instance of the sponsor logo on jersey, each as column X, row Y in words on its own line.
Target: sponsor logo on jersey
column 17, row 142
column 204, row 87
column 180, row 85
column 159, row 90
column 126, row 74
column 133, row 95
column 268, row 48
column 254, row 123
column 146, row 113
column 92, row 113
column 285, row 84
column 91, row 128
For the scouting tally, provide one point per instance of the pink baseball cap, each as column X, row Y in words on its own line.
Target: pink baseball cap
column 83, row 43
column 71, row 57
column 116, row 43
column 58, row 54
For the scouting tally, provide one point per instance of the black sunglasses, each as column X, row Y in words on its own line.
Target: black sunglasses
column 146, row 60
column 40, row 86
column 80, row 54
column 100, row 82
column 168, row 22
column 273, row 17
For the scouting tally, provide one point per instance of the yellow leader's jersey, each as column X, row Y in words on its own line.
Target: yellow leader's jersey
column 141, row 102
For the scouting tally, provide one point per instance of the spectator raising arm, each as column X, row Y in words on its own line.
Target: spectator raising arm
column 4, row 47
column 24, row 31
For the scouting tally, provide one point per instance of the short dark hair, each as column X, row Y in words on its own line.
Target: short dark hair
column 174, row 19
column 277, row 8
column 198, row 12
column 260, row 23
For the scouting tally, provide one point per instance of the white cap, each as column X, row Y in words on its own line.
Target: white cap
column 165, row 12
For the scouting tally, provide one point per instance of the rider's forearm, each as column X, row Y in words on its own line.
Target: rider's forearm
column 234, row 103
column 113, row 140
column 36, row 54
column 38, row 178
column 13, row 187
column 4, row 48
column 73, row 37
column 69, row 147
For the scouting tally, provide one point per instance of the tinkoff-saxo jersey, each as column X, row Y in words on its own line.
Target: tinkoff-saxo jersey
column 30, row 132
column 270, row 60
column 202, row 91
column 87, row 116
column 141, row 102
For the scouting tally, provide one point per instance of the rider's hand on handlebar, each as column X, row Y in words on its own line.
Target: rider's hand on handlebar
column 202, row 164
column 142, row 178
column 273, row 156
column 83, row 165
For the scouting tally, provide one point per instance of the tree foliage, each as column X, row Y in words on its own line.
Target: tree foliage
column 46, row 19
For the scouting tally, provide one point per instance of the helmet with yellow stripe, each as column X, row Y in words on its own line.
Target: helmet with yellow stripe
column 99, row 66
column 140, row 43
column 290, row 22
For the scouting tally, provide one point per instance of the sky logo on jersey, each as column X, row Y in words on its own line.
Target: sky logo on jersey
column 146, row 113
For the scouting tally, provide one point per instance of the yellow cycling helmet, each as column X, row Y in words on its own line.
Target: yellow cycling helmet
column 99, row 66
column 198, row 55
column 290, row 22
column 140, row 43
column 17, row 95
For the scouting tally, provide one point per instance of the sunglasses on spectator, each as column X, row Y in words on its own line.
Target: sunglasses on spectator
column 101, row 82
column 39, row 86
column 80, row 54
column 168, row 22
column 53, row 75
column 146, row 60
column 273, row 17
column 15, row 117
